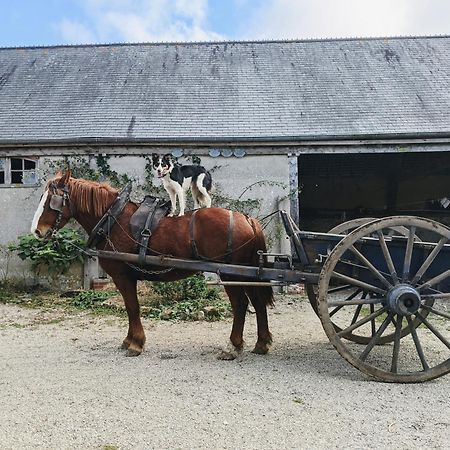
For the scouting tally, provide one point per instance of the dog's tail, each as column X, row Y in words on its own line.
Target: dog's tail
column 207, row 182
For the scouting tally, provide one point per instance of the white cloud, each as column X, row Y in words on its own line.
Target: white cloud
column 346, row 18
column 143, row 21
column 75, row 32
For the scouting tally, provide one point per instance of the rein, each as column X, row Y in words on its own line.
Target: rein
column 57, row 203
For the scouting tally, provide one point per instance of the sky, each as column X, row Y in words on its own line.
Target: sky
column 54, row 22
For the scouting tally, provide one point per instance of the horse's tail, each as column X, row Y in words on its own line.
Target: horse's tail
column 263, row 294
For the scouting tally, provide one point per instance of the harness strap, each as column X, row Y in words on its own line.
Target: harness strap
column 146, row 234
column 105, row 224
column 229, row 249
column 194, row 248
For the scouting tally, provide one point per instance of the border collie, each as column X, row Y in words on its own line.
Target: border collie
column 177, row 180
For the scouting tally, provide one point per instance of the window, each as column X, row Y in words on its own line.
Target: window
column 18, row 171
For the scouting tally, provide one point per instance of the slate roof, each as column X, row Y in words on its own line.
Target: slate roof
column 274, row 91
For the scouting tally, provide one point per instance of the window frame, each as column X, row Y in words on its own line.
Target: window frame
column 8, row 171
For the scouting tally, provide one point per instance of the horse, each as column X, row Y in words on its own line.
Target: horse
column 86, row 201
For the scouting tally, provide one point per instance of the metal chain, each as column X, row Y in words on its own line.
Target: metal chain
column 137, row 268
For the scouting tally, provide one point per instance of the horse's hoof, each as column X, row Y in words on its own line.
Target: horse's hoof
column 125, row 345
column 133, row 351
column 227, row 356
column 259, row 350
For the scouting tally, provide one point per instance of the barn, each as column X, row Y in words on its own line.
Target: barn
column 328, row 129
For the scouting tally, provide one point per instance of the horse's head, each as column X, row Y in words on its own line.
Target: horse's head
column 54, row 209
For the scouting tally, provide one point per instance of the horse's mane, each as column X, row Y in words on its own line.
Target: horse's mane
column 91, row 197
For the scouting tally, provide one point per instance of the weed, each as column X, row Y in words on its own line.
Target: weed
column 90, row 299
column 57, row 254
column 188, row 299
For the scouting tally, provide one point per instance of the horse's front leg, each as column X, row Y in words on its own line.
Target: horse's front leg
column 135, row 340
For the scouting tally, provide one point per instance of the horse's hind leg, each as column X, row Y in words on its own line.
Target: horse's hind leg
column 239, row 303
column 264, row 336
column 135, row 340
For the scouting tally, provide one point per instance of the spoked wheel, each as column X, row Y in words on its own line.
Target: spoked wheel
column 349, row 292
column 399, row 294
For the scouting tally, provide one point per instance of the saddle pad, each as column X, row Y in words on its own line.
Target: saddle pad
column 148, row 215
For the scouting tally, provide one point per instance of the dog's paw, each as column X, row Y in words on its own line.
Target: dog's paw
column 170, row 215
column 181, row 214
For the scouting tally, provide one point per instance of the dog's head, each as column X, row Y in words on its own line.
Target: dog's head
column 162, row 165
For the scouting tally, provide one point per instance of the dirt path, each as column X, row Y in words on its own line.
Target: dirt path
column 64, row 384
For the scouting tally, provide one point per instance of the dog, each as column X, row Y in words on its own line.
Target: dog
column 177, row 180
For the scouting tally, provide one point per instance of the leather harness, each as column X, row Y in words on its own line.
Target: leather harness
column 105, row 224
column 229, row 249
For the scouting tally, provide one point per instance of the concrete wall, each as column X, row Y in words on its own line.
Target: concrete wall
column 230, row 175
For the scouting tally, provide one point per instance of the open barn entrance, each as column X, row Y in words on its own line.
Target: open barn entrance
column 334, row 188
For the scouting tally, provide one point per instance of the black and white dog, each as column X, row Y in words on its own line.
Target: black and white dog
column 177, row 180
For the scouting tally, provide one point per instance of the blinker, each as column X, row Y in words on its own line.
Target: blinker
column 57, row 203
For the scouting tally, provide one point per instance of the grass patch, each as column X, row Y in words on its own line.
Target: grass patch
column 190, row 299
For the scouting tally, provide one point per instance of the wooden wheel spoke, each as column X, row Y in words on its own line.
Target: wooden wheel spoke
column 362, row 322
column 355, row 282
column 417, row 343
column 370, row 266
column 435, row 311
column 408, row 253
column 396, row 350
column 439, row 296
column 433, row 329
column 361, row 301
column 427, row 263
column 376, row 337
column 437, row 279
column 349, row 298
column 372, row 310
column 387, row 256
column 340, row 288
column 356, row 315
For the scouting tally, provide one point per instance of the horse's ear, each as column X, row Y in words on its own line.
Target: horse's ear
column 65, row 178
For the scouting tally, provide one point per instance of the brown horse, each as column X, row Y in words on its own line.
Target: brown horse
column 87, row 201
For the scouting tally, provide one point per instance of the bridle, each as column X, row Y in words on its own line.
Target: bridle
column 57, row 204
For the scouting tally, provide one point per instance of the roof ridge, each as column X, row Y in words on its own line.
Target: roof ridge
column 240, row 41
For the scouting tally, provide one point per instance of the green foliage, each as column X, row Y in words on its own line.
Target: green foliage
column 191, row 288
column 56, row 254
column 91, row 168
column 90, row 299
column 188, row 299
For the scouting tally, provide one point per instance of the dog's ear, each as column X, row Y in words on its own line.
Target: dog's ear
column 168, row 158
column 155, row 157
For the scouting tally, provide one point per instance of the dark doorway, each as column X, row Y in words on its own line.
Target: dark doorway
column 338, row 187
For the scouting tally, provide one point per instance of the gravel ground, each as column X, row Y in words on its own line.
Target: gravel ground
column 64, row 384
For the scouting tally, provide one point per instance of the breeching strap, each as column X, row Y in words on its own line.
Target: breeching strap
column 229, row 250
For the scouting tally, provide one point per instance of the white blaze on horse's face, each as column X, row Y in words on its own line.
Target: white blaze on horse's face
column 38, row 214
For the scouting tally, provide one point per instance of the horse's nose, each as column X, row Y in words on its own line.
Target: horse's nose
column 37, row 233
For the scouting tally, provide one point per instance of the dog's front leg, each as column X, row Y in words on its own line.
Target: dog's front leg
column 182, row 200
column 173, row 202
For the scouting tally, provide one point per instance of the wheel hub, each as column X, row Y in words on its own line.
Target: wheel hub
column 403, row 299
